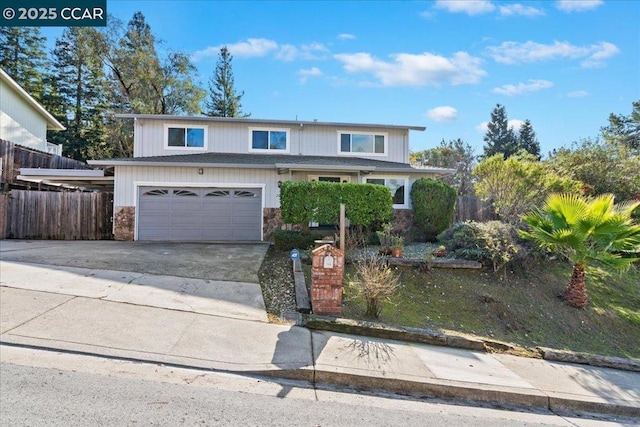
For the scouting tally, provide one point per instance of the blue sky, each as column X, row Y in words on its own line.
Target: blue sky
column 564, row 65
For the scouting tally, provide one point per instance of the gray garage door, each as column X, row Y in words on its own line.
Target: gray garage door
column 199, row 214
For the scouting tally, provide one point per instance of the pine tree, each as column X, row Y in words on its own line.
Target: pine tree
column 223, row 99
column 81, row 93
column 23, row 57
column 500, row 138
column 527, row 139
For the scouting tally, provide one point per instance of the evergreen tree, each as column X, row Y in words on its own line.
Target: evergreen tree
column 500, row 138
column 527, row 139
column 81, row 93
column 23, row 57
column 624, row 130
column 454, row 154
column 223, row 99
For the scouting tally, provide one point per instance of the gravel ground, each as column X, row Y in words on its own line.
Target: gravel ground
column 276, row 280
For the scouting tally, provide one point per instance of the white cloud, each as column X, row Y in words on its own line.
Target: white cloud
column 470, row 7
column 346, row 36
column 514, row 124
column 578, row 94
column 511, row 53
column 444, row 113
column 483, row 127
column 311, row 72
column 601, row 51
column 256, row 48
column 289, row 52
column 406, row 69
column 250, row 48
column 519, row 9
column 523, row 88
column 577, row 5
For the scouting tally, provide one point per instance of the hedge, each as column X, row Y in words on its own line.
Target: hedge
column 302, row 202
column 433, row 206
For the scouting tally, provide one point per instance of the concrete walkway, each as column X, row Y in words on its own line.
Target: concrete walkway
column 201, row 324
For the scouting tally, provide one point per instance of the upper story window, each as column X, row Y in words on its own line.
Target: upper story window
column 185, row 137
column 269, row 140
column 362, row 143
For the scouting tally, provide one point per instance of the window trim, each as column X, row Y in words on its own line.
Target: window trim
column 405, row 205
column 205, row 136
column 354, row 153
column 270, row 150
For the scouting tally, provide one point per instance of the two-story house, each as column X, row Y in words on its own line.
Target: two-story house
column 218, row 179
column 23, row 120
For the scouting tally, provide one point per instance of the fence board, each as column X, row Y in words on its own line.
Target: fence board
column 472, row 208
column 58, row 216
column 14, row 157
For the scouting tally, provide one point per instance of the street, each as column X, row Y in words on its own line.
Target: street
column 50, row 388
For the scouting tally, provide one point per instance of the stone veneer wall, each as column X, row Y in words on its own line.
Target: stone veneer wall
column 124, row 218
column 272, row 221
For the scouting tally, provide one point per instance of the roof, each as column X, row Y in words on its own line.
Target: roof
column 52, row 123
column 281, row 162
column 265, row 121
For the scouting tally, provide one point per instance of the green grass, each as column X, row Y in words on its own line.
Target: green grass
column 526, row 310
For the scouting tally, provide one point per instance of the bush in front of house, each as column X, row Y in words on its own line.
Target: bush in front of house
column 433, row 205
column 493, row 243
column 302, row 202
column 374, row 282
column 285, row 240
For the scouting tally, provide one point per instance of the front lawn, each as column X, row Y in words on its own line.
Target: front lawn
column 524, row 310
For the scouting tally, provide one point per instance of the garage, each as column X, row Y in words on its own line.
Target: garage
column 199, row 214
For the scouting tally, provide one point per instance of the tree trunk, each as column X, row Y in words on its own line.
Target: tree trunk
column 575, row 293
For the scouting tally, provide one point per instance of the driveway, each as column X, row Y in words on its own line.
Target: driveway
column 207, row 261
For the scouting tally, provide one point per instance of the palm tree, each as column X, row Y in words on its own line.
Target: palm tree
column 586, row 230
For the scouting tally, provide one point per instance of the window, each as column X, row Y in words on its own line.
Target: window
column 269, row 140
column 362, row 143
column 398, row 187
column 192, row 137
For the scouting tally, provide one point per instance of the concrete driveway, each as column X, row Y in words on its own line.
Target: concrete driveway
column 207, row 261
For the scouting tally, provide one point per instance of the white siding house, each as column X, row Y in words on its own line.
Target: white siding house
column 23, row 120
column 218, row 179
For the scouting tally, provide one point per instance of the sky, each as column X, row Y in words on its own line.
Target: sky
column 564, row 65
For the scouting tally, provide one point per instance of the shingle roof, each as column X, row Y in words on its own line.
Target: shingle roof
column 268, row 161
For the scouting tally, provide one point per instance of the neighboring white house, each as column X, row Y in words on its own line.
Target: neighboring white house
column 23, row 120
column 218, row 179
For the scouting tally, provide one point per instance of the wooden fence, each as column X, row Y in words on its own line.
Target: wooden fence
column 472, row 208
column 57, row 216
column 13, row 157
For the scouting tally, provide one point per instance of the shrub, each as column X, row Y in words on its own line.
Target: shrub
column 492, row 243
column 518, row 184
column 374, row 282
column 285, row 240
column 302, row 202
column 433, row 204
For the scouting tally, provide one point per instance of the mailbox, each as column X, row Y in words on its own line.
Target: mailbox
column 327, row 274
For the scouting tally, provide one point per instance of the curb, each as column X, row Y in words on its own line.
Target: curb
column 426, row 336
column 503, row 397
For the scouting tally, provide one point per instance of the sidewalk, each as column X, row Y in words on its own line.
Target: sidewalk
column 172, row 320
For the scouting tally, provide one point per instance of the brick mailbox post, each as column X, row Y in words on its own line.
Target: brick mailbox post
column 327, row 273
